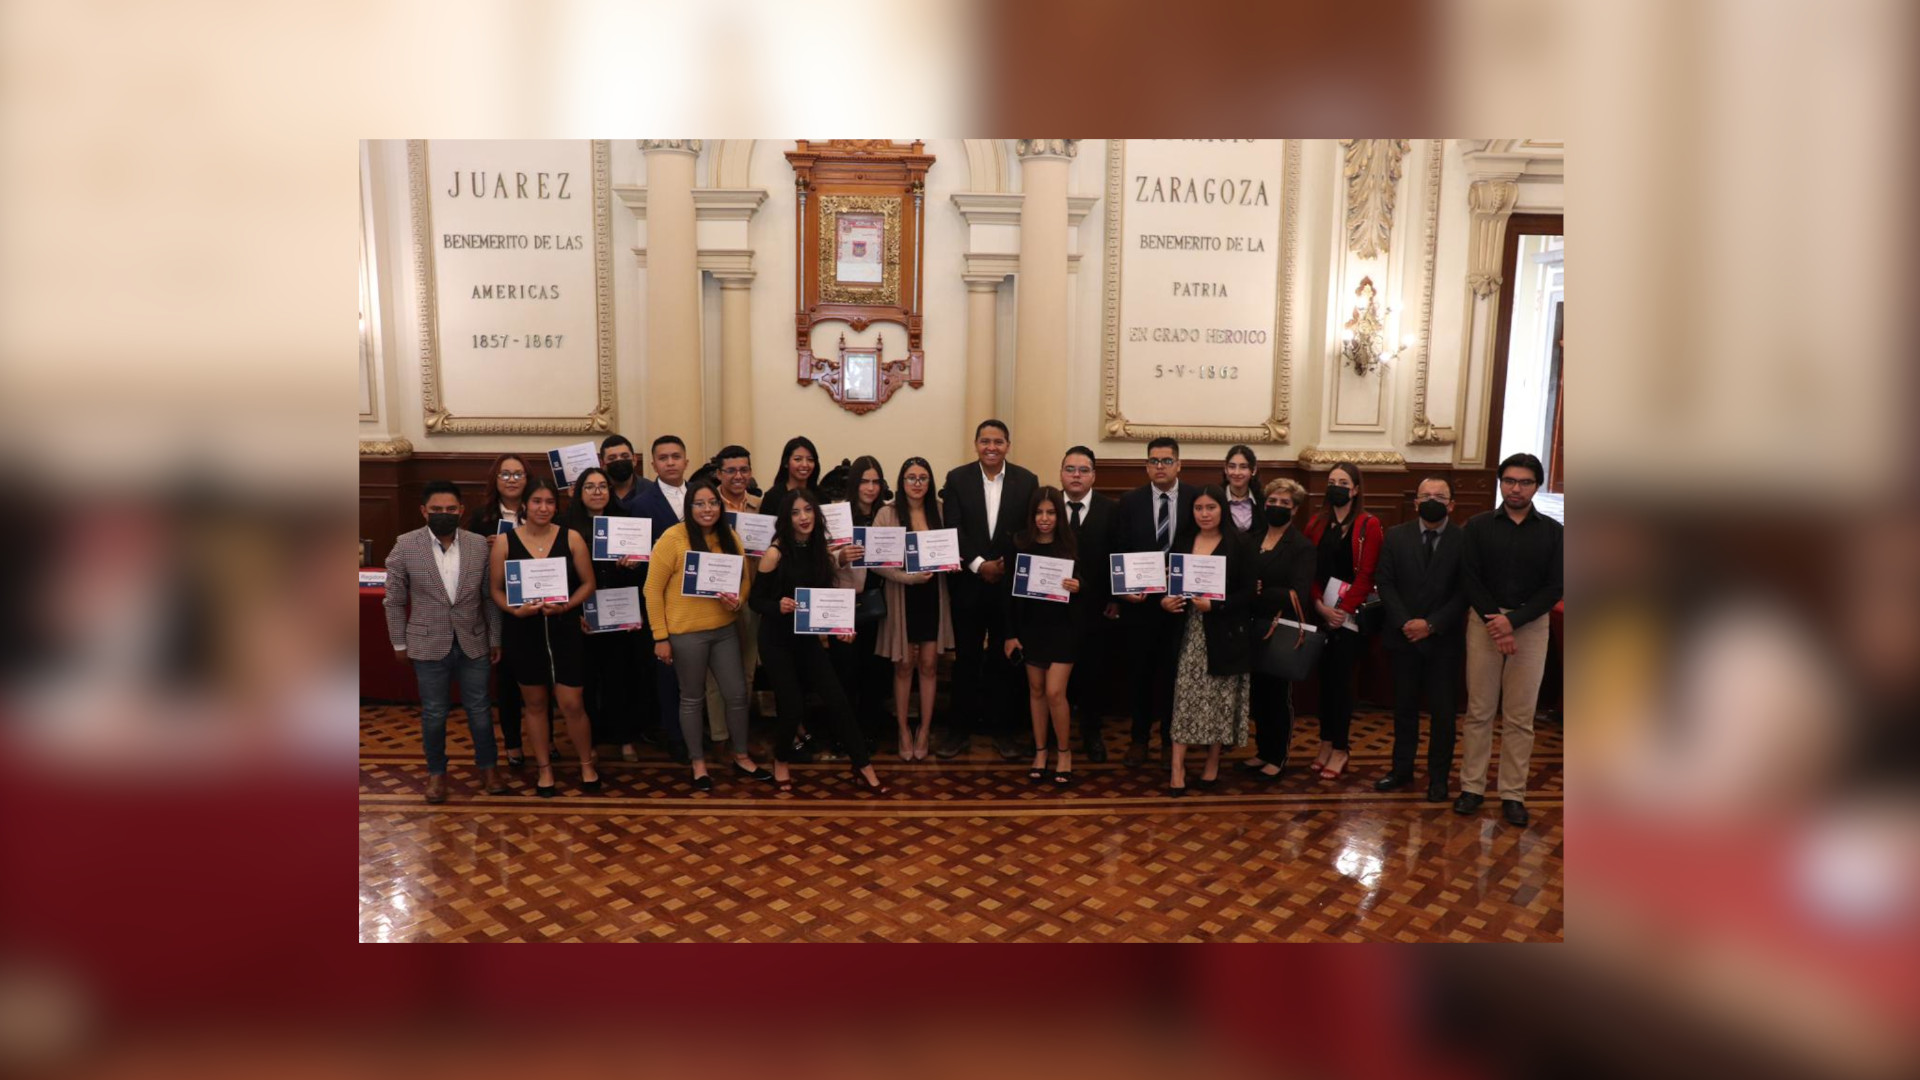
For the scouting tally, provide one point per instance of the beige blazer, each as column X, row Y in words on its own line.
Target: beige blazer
column 892, row 641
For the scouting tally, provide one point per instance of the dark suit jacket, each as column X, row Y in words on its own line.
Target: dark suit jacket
column 963, row 507
column 1095, row 540
column 1133, row 530
column 1412, row 588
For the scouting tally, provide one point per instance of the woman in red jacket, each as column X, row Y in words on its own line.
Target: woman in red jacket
column 1347, row 543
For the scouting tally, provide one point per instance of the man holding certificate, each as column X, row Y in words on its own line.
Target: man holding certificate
column 1090, row 517
column 438, row 617
column 986, row 503
column 1043, row 626
column 1148, row 517
column 801, row 562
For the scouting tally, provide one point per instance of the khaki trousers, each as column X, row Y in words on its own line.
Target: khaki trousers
column 748, row 626
column 1510, row 685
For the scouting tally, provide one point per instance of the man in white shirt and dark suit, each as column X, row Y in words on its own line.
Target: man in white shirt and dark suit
column 1090, row 517
column 1148, row 517
column 441, row 616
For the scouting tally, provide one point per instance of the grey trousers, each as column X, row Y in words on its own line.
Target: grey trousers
column 695, row 654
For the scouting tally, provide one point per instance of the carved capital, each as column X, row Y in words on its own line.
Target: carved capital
column 1064, row 149
column 679, row 146
column 1490, row 202
column 1373, row 173
column 1313, row 459
column 1427, row 433
column 394, row 449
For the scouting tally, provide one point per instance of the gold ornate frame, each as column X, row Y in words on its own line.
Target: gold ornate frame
column 1116, row 424
column 438, row 420
column 887, row 290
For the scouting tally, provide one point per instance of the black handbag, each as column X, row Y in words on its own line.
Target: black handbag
column 871, row 607
column 1292, row 657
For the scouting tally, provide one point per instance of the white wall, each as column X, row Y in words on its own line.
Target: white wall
column 930, row 420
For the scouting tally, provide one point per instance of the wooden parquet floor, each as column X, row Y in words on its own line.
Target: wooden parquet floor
column 962, row 850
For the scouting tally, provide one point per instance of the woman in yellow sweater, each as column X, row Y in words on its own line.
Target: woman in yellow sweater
column 695, row 634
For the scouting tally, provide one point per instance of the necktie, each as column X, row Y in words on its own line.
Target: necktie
column 1163, row 533
column 1076, row 516
column 1432, row 537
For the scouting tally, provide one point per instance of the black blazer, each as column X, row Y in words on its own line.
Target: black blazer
column 1133, row 530
column 1412, row 588
column 1229, row 646
column 1095, row 541
column 963, row 506
column 1288, row 566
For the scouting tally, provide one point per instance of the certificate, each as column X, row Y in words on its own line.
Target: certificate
column 711, row 573
column 823, row 611
column 1331, row 597
column 608, row 610
column 857, row 243
column 1138, row 573
column 569, row 462
column 756, row 530
column 885, row 545
column 537, row 581
column 618, row 537
column 932, row 551
column 1197, row 575
column 839, row 519
column 1039, row 577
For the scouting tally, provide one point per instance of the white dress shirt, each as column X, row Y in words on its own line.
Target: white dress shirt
column 993, row 486
column 676, row 497
column 447, row 558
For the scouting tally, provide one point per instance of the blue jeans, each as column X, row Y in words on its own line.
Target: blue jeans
column 436, row 680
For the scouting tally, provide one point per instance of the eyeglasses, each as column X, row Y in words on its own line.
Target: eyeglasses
column 601, row 488
column 1519, row 482
column 736, row 470
column 513, row 476
column 1163, row 462
column 1077, row 470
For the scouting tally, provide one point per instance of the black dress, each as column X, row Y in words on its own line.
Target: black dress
column 1049, row 631
column 545, row 649
column 923, row 612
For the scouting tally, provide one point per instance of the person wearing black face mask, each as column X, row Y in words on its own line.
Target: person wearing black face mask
column 1284, row 560
column 439, row 617
column 1424, row 593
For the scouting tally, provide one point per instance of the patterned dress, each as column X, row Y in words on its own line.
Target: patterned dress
column 1206, row 708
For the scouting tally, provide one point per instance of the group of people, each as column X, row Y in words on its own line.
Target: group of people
column 1445, row 597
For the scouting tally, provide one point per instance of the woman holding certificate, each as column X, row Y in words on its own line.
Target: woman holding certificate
column 1210, row 687
column 1347, row 543
column 506, row 483
column 693, row 628
column 1283, row 560
column 800, row 559
column 619, row 665
column 541, row 576
column 1043, row 625
column 918, row 625
column 866, row 675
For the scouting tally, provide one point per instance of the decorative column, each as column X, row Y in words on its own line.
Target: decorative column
column 674, row 404
column 1040, row 359
column 736, row 359
column 1490, row 202
column 982, row 292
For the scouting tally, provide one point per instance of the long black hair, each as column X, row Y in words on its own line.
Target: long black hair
column 580, row 519
column 786, row 453
column 697, row 536
column 860, row 466
column 1353, row 515
column 1230, row 533
column 1253, row 463
column 817, row 569
column 902, row 506
column 1063, row 543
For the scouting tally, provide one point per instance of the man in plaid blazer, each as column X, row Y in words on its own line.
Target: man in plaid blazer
column 441, row 616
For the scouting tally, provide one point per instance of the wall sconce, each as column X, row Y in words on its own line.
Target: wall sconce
column 1364, row 339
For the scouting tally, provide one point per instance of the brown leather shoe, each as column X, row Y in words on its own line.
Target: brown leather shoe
column 493, row 782
column 437, row 788
column 1136, row 755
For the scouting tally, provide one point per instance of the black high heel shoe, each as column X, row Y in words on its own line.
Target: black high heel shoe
column 878, row 787
column 545, row 791
column 590, row 787
column 751, row 774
